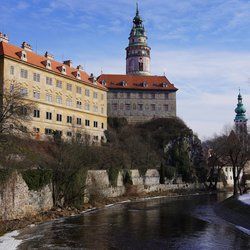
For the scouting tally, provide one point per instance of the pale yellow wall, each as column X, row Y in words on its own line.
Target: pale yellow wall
column 44, row 106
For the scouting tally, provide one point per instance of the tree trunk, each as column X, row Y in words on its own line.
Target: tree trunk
column 235, row 187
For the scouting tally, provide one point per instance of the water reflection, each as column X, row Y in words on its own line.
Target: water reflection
column 176, row 223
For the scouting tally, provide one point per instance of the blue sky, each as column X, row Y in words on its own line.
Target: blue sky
column 203, row 46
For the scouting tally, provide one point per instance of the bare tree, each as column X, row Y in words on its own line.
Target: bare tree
column 216, row 160
column 15, row 109
column 229, row 150
column 238, row 154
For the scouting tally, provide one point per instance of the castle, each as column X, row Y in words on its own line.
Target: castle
column 72, row 102
column 137, row 95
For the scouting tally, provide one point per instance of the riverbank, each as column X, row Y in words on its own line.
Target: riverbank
column 236, row 210
column 57, row 213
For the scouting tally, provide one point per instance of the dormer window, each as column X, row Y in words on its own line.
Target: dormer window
column 23, row 56
column 124, row 83
column 78, row 75
column 144, row 84
column 104, row 82
column 47, row 64
column 63, row 70
column 164, row 85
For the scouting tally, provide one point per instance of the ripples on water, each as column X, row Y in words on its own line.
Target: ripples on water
column 168, row 223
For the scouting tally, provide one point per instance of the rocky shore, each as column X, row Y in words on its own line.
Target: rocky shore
column 56, row 212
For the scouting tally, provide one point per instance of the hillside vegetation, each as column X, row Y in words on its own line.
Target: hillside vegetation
column 166, row 144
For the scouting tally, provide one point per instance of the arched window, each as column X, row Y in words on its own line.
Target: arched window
column 140, row 64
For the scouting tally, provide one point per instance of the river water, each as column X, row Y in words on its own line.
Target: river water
column 187, row 222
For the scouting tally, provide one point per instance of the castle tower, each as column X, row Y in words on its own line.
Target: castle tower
column 138, row 52
column 240, row 119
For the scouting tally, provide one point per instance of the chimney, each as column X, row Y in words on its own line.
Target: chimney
column 49, row 56
column 79, row 67
column 26, row 46
column 68, row 62
column 4, row 38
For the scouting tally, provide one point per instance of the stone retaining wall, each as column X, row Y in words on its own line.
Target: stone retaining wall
column 17, row 201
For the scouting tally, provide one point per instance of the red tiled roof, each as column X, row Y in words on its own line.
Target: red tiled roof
column 137, row 82
column 34, row 59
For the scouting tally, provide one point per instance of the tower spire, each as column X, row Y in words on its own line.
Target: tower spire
column 137, row 9
column 138, row 52
column 240, row 118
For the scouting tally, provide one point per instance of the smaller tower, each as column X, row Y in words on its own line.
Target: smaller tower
column 240, row 119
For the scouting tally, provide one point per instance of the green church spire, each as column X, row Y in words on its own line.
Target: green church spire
column 240, row 110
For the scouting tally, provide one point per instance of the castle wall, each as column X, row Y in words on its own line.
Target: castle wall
column 139, row 106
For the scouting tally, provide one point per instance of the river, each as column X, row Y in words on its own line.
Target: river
column 186, row 222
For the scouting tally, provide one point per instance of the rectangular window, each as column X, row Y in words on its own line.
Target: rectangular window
column 24, row 92
column 165, row 107
column 95, row 138
column 79, row 121
column 95, row 108
column 36, row 130
column 102, row 125
column 140, row 107
column 69, row 102
column 102, row 96
column 59, row 84
column 166, row 96
column 140, row 95
column 48, row 131
column 153, row 107
column 36, row 94
column 128, row 95
column 58, row 117
column 95, row 95
column 36, row 113
column 102, row 110
column 59, row 99
column 115, row 95
column 69, row 87
column 86, row 106
column 87, row 123
column 95, row 124
column 12, row 70
column 48, row 80
column 87, row 92
column 58, row 132
column 48, row 97
column 36, row 77
column 114, row 106
column 24, row 73
column 69, row 119
column 127, row 106
column 48, row 115
column 69, row 134
column 79, row 104
column 78, row 90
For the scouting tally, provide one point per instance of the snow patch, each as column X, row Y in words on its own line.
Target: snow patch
column 244, row 230
column 245, row 198
column 9, row 242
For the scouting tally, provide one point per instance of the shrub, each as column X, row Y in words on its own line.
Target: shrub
column 113, row 175
column 4, row 175
column 37, row 178
column 127, row 179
